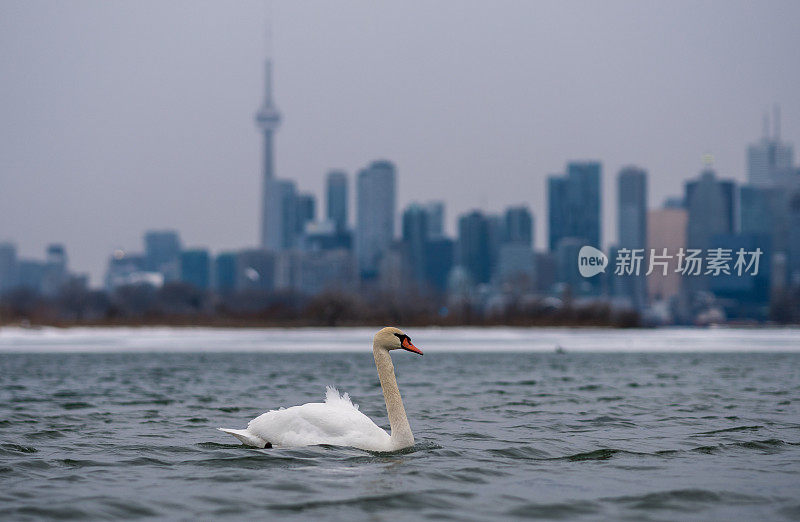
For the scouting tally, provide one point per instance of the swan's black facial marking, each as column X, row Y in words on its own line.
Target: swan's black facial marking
column 403, row 337
column 406, row 344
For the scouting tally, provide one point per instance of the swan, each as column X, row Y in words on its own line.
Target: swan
column 337, row 421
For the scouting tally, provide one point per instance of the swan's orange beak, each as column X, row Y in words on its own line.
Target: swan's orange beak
column 410, row 347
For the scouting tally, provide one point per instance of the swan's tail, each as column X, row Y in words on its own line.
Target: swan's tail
column 247, row 438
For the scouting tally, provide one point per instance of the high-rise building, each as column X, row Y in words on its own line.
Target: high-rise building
column 545, row 268
column 512, row 260
column 375, row 216
column 8, row 267
column 305, row 208
column 666, row 228
column 744, row 296
column 268, row 120
column 519, row 226
column 574, row 205
column 225, row 267
column 496, row 227
column 281, row 215
column 632, row 212
column 473, row 249
column 438, row 262
column 769, row 161
column 325, row 270
column 515, row 266
column 55, row 270
column 760, row 213
column 255, row 270
column 196, row 268
column 336, row 199
column 710, row 204
column 632, row 230
column 323, row 236
column 793, row 240
column 415, row 239
column 126, row 269
column 162, row 253
column 568, row 278
column 435, row 217
column 30, row 274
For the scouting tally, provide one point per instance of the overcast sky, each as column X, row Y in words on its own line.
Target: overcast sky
column 117, row 117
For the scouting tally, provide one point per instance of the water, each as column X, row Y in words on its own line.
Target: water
column 708, row 432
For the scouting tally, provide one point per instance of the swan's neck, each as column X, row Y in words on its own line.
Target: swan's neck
column 401, row 430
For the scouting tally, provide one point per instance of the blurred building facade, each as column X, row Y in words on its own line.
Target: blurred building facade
column 375, row 216
column 632, row 231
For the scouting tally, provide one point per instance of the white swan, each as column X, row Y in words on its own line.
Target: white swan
column 337, row 421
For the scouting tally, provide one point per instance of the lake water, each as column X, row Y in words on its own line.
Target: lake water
column 655, row 424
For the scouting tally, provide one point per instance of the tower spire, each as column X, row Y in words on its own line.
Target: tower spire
column 268, row 31
column 268, row 120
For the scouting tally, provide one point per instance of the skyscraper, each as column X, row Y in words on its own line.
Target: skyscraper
column 267, row 119
column 415, row 239
column 225, row 272
column 710, row 204
column 305, row 209
column 280, row 223
column 8, row 267
column 438, row 262
column 55, row 270
column 666, row 228
column 196, row 268
column 574, row 204
column 435, row 217
column 793, row 240
column 473, row 247
column 336, row 194
column 162, row 253
column 515, row 261
column 632, row 229
column 760, row 212
column 255, row 270
column 632, row 212
column 375, row 215
column 519, row 226
column 769, row 161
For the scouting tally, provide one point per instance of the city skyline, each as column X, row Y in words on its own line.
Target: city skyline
column 129, row 170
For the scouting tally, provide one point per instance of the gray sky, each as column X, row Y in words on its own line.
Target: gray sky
column 118, row 117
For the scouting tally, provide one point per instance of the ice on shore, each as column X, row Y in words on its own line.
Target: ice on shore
column 432, row 340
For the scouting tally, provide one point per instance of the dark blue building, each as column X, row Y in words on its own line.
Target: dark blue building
column 574, row 205
column 518, row 222
column 162, row 252
column 415, row 239
column 336, row 195
column 473, row 251
column 439, row 255
column 225, row 272
column 196, row 268
column 743, row 295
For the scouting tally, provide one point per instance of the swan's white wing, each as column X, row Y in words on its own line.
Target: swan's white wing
column 337, row 421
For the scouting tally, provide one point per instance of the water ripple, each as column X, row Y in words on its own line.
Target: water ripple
column 499, row 436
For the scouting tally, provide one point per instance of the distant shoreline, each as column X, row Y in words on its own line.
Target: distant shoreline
column 269, row 325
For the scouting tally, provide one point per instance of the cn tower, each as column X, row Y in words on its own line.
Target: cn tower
column 268, row 120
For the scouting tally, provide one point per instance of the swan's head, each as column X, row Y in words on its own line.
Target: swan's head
column 391, row 338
